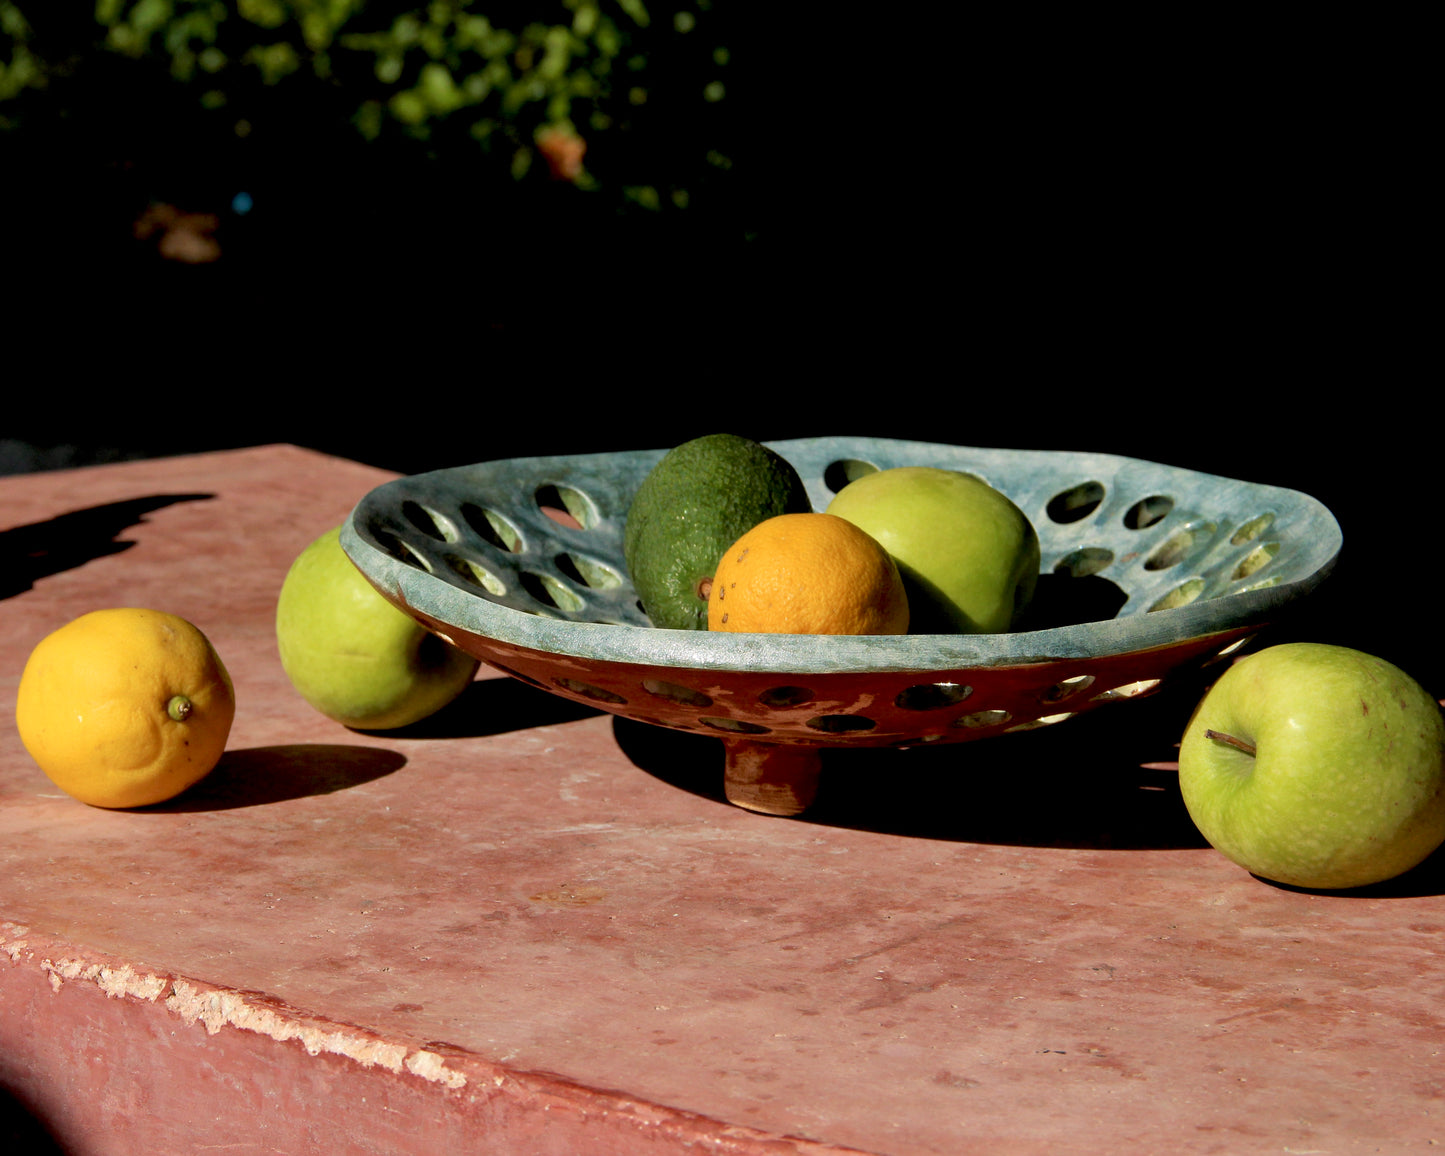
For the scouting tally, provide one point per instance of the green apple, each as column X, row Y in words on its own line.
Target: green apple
column 969, row 557
column 1317, row 766
column 353, row 655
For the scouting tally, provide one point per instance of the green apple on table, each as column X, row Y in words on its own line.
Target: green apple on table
column 968, row 555
column 1317, row 766
column 353, row 655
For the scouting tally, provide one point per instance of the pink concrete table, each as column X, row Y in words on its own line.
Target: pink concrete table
column 524, row 928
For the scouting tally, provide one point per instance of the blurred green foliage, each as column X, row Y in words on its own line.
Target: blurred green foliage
column 626, row 97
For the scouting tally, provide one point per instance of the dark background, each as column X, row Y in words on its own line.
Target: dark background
column 1193, row 243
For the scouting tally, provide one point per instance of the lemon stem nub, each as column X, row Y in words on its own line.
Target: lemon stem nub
column 179, row 708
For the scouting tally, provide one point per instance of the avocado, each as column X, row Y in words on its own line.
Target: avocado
column 698, row 500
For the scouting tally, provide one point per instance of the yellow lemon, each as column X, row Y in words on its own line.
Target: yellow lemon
column 807, row 574
column 126, row 707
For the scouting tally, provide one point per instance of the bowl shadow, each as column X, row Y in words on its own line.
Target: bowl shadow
column 493, row 706
column 1104, row 779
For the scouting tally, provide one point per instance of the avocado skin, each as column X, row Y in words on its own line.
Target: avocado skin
column 698, row 500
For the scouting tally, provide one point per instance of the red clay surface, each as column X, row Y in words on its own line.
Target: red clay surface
column 524, row 927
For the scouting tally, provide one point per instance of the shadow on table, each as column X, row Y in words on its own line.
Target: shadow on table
column 256, row 776
column 21, row 1132
column 41, row 549
column 1101, row 780
column 261, row 775
column 494, row 706
column 1104, row 780
column 1426, row 879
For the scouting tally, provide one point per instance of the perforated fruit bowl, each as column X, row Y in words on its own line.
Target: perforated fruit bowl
column 1148, row 572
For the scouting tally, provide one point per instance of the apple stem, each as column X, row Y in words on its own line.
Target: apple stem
column 1230, row 741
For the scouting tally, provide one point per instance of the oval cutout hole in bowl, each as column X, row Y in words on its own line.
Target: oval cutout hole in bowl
column 1076, row 503
column 492, row 528
column 566, row 506
column 1148, row 511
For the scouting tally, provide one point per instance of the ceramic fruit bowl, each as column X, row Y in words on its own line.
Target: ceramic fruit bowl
column 1147, row 572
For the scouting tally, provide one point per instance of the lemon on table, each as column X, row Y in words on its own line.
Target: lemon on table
column 807, row 574
column 125, row 707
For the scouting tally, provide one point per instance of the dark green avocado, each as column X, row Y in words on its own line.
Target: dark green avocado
column 697, row 501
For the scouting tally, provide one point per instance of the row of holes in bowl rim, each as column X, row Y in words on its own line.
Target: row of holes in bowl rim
column 921, row 698
column 573, row 509
column 1078, row 502
column 1177, row 549
column 562, row 504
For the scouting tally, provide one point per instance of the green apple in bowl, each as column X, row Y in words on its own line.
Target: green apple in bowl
column 353, row 655
column 1317, row 766
column 968, row 555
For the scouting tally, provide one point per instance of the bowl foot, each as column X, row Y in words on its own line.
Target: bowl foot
column 772, row 778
